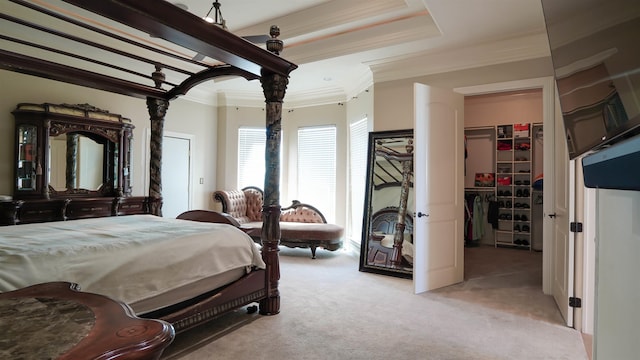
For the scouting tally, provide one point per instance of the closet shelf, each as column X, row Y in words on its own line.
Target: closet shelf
column 513, row 164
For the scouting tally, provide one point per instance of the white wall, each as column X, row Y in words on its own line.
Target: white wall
column 617, row 271
column 393, row 100
column 230, row 118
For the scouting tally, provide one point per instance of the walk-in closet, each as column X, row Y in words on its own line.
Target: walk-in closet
column 504, row 180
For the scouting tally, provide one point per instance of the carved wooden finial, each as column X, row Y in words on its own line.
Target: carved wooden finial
column 158, row 76
column 274, row 44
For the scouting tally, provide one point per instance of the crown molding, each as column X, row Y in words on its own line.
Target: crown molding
column 323, row 96
column 201, row 97
column 330, row 94
column 332, row 14
column 359, row 85
column 492, row 53
column 240, row 98
column 412, row 27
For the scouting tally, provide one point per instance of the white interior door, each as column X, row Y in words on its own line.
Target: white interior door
column 439, row 188
column 563, row 251
column 175, row 175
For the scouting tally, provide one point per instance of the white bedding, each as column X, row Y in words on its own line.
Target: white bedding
column 130, row 258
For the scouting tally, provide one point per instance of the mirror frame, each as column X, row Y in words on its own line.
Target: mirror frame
column 110, row 141
column 404, row 185
column 114, row 131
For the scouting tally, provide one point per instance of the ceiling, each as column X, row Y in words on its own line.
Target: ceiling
column 342, row 45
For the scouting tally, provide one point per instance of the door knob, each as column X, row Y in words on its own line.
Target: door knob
column 552, row 215
column 421, row 214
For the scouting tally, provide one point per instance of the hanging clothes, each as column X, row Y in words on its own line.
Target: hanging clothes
column 468, row 217
column 478, row 218
column 492, row 213
column 474, row 218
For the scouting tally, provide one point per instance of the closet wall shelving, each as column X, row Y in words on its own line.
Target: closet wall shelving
column 513, row 186
column 506, row 153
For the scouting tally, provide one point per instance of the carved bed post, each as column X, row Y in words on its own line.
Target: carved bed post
column 274, row 87
column 157, row 110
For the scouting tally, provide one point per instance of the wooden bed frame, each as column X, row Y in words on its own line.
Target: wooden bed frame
column 233, row 56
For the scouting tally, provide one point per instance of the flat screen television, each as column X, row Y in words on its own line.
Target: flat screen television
column 595, row 48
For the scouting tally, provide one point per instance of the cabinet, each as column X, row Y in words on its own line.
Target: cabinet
column 513, row 185
column 66, row 151
column 61, row 209
column 28, row 162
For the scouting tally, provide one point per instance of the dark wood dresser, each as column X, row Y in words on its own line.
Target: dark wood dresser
column 56, row 321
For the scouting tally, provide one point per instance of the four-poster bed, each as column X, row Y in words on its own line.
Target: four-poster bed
column 145, row 49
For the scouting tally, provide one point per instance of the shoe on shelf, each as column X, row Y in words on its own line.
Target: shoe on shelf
column 517, row 242
column 516, row 217
column 516, row 228
column 524, row 242
column 525, row 228
column 524, row 218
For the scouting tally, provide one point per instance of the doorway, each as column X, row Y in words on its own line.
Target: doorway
column 177, row 171
column 504, row 162
column 176, row 174
column 553, row 267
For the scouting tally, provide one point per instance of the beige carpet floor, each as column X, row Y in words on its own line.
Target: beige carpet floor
column 330, row 310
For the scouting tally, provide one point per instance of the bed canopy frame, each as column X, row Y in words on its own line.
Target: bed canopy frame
column 145, row 49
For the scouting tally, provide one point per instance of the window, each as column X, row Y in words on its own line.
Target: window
column 251, row 146
column 358, row 139
column 317, row 168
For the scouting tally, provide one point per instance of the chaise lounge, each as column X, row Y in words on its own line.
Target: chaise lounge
column 301, row 225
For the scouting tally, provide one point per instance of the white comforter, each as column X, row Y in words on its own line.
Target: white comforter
column 129, row 258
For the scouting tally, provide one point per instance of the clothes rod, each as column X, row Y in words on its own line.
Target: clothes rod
column 479, row 136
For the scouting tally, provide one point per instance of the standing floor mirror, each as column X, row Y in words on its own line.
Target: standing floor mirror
column 387, row 236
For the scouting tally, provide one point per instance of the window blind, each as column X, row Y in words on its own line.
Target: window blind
column 316, row 178
column 251, row 147
column 358, row 138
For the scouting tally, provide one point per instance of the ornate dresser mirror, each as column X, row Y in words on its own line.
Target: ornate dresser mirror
column 71, row 151
column 387, row 236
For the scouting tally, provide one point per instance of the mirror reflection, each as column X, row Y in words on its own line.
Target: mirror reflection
column 75, row 162
column 387, row 241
